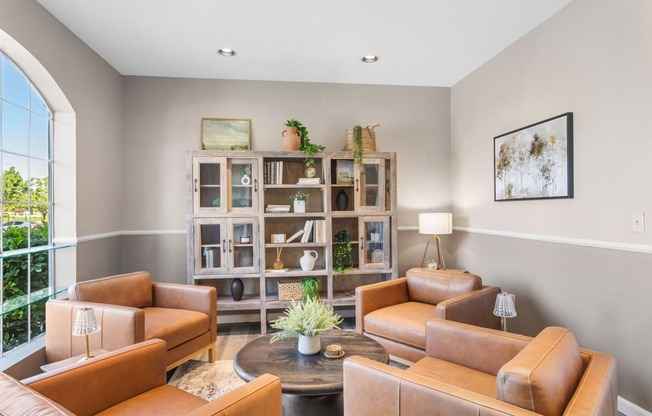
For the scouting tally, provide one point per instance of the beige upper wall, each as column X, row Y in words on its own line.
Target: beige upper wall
column 162, row 122
column 593, row 59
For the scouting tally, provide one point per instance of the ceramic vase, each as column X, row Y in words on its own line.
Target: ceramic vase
column 299, row 206
column 237, row 289
column 309, row 345
column 291, row 139
column 342, row 200
column 307, row 261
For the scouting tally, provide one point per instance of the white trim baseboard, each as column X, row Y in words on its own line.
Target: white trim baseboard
column 630, row 409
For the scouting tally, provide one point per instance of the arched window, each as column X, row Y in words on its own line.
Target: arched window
column 26, row 206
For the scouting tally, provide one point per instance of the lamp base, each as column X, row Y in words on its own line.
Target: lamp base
column 84, row 358
column 441, row 264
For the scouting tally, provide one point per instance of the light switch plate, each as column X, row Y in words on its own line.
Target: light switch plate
column 638, row 222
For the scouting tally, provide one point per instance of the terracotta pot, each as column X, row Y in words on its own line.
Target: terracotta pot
column 291, row 139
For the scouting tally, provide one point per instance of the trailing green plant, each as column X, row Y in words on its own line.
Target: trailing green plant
column 310, row 287
column 306, row 146
column 310, row 317
column 357, row 147
column 342, row 252
column 245, row 170
column 299, row 196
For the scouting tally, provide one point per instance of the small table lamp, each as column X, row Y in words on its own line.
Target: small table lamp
column 434, row 224
column 505, row 307
column 85, row 324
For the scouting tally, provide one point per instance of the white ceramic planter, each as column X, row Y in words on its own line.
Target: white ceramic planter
column 299, row 206
column 309, row 345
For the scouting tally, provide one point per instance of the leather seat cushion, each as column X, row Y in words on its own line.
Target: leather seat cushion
column 161, row 401
column 456, row 375
column 17, row 399
column 175, row 326
column 544, row 375
column 404, row 323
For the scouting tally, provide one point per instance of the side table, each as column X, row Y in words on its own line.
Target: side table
column 69, row 361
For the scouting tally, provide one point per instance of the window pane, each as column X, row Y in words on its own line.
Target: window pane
column 37, row 320
column 15, row 128
column 15, row 85
column 37, row 104
column 14, row 179
column 38, row 184
column 39, row 137
column 39, row 215
column 14, row 329
column 38, row 268
column 14, row 275
column 15, row 228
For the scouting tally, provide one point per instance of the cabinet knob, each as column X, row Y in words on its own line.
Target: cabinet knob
column 357, row 185
column 223, row 246
column 362, row 243
column 255, row 185
column 195, row 185
column 230, row 246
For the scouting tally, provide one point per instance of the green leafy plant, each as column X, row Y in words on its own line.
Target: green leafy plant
column 299, row 196
column 357, row 147
column 310, row 287
column 306, row 146
column 245, row 170
column 216, row 202
column 342, row 252
column 311, row 317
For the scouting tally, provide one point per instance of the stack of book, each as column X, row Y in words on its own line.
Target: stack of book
column 314, row 231
column 277, row 209
column 273, row 172
column 309, row 181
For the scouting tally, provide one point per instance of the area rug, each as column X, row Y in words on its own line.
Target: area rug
column 210, row 381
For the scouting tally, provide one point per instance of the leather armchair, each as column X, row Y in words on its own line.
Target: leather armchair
column 129, row 381
column 477, row 371
column 395, row 312
column 130, row 309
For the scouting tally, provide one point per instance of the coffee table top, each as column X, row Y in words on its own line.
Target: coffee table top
column 305, row 374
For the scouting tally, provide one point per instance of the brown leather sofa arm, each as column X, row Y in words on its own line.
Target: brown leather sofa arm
column 376, row 296
column 598, row 388
column 126, row 326
column 474, row 308
column 481, row 349
column 372, row 388
column 92, row 386
column 261, row 396
column 189, row 297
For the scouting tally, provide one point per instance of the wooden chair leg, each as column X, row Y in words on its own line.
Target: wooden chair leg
column 212, row 353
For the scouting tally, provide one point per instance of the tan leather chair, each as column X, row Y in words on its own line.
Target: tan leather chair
column 129, row 381
column 131, row 308
column 477, row 371
column 395, row 312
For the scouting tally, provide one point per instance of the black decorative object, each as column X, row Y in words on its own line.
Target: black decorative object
column 342, row 200
column 237, row 288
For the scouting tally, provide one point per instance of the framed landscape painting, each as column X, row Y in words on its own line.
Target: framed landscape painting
column 225, row 134
column 535, row 161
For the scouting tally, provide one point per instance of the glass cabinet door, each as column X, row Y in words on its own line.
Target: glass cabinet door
column 374, row 243
column 209, row 185
column 370, row 185
column 243, row 245
column 211, row 245
column 243, row 181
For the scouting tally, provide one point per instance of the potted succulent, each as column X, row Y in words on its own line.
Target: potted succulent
column 299, row 202
column 305, row 145
column 307, row 320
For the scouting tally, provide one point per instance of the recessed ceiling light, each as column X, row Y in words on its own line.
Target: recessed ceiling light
column 226, row 52
column 369, row 59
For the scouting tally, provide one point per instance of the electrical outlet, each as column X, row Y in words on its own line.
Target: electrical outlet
column 638, row 222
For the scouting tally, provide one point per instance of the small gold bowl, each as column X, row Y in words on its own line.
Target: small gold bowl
column 333, row 351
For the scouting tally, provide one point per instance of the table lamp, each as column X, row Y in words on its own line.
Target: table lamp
column 505, row 307
column 435, row 224
column 85, row 324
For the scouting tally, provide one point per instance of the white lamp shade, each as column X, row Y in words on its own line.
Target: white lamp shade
column 505, row 307
column 432, row 223
column 85, row 323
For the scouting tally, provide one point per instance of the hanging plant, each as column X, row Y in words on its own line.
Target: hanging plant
column 342, row 252
column 306, row 147
column 357, row 147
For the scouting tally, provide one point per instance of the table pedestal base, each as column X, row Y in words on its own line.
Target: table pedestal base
column 327, row 405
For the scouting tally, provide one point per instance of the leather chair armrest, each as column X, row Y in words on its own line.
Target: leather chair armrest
column 379, row 295
column 474, row 308
column 121, row 326
column 189, row 297
column 92, row 386
column 481, row 349
column 261, row 396
column 372, row 388
column 597, row 392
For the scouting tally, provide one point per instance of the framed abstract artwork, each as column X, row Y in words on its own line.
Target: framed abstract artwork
column 225, row 134
column 535, row 161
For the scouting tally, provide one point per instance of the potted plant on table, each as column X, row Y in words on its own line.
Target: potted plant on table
column 299, row 202
column 308, row 320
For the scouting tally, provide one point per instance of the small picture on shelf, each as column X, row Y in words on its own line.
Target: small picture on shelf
column 344, row 172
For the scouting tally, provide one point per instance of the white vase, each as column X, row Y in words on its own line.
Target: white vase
column 309, row 345
column 299, row 206
column 307, row 261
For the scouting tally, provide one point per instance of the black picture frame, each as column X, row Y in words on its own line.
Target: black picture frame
column 535, row 161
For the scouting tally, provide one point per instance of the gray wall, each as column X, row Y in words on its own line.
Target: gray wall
column 162, row 122
column 592, row 58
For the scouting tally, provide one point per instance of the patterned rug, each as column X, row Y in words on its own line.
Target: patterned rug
column 210, row 381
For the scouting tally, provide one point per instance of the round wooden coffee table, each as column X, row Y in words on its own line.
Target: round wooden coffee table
column 311, row 384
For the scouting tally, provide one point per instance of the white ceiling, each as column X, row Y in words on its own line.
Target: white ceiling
column 419, row 42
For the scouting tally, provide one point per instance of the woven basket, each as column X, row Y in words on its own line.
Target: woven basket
column 289, row 290
column 368, row 139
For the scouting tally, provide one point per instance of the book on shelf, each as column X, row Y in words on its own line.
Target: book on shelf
column 307, row 231
column 277, row 209
column 294, row 236
column 309, row 181
column 319, row 233
column 273, row 172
